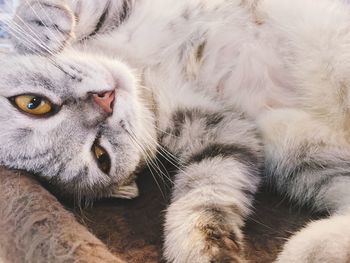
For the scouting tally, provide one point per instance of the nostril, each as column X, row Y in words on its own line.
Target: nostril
column 105, row 100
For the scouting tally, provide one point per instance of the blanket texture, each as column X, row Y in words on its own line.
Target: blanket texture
column 34, row 226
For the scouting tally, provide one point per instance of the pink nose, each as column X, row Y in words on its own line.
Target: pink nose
column 105, row 100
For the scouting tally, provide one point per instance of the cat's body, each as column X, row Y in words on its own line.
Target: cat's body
column 208, row 72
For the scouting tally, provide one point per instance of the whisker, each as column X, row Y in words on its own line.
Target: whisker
column 58, row 32
column 168, row 156
column 145, row 152
column 176, row 166
column 147, row 163
column 18, row 17
column 30, row 45
column 172, row 159
column 15, row 26
column 36, row 14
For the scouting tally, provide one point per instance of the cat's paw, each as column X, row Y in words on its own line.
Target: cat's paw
column 42, row 26
column 326, row 241
column 204, row 236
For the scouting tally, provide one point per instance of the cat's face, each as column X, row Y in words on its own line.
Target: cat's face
column 52, row 123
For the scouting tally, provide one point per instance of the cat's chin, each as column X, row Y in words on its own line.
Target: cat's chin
column 129, row 191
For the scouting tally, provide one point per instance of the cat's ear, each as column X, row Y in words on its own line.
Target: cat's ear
column 126, row 192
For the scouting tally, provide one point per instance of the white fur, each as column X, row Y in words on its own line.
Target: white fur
column 283, row 63
column 314, row 243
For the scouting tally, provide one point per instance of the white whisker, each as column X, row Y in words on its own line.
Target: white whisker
column 36, row 14
column 15, row 26
column 149, row 165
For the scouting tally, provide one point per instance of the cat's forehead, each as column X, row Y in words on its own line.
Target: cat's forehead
column 29, row 74
column 22, row 67
column 57, row 65
column 63, row 75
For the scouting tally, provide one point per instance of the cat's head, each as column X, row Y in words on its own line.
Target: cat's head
column 78, row 121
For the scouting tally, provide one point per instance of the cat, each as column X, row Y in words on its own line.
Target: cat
column 238, row 91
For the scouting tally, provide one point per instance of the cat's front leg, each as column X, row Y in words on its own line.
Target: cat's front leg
column 213, row 190
column 204, row 221
column 48, row 26
column 42, row 26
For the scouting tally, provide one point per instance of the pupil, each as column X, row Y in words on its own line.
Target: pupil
column 103, row 158
column 34, row 103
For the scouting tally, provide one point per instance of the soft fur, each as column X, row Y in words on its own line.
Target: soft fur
column 203, row 82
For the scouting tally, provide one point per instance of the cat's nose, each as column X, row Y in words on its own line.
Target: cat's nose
column 105, row 100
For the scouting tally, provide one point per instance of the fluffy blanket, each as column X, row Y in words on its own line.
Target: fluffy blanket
column 36, row 227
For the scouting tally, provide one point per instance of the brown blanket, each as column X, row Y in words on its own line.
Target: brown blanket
column 35, row 227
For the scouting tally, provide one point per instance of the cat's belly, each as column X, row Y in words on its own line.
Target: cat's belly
column 243, row 72
column 252, row 83
column 250, row 78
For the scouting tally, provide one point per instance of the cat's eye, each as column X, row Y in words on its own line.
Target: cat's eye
column 102, row 158
column 33, row 104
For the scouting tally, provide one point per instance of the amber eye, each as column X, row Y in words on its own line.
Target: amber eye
column 102, row 158
column 33, row 104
